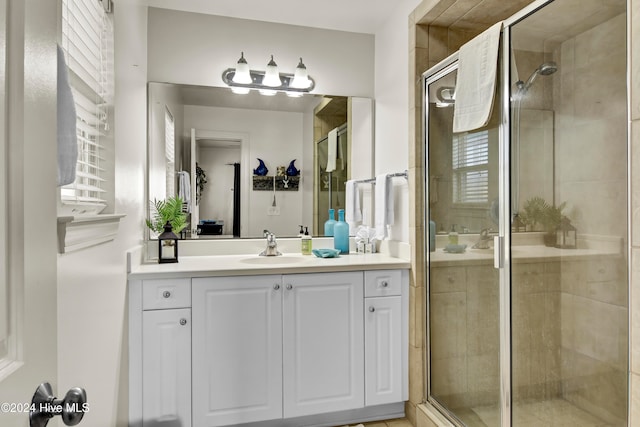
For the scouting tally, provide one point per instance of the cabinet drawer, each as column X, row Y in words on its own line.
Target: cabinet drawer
column 166, row 293
column 382, row 283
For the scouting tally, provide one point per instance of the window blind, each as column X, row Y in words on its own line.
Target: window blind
column 87, row 40
column 470, row 161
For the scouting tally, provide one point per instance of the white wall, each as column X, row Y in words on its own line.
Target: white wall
column 392, row 107
column 276, row 137
column 195, row 49
column 92, row 286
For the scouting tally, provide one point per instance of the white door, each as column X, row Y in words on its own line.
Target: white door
column 323, row 343
column 28, row 252
column 166, row 367
column 237, row 349
column 383, row 350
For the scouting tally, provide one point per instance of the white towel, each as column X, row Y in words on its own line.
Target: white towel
column 476, row 83
column 332, row 144
column 352, row 213
column 384, row 205
column 184, row 189
column 67, row 135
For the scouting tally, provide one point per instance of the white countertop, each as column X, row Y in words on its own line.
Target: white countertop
column 241, row 265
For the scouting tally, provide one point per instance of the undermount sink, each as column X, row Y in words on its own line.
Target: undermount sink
column 270, row 260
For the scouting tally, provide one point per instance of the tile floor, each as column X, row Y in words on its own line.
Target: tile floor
column 551, row 413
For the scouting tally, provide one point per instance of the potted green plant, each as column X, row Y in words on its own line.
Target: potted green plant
column 539, row 215
column 167, row 210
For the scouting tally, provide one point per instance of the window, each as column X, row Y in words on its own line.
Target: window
column 470, row 162
column 87, row 40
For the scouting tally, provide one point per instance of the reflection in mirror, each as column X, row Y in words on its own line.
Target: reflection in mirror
column 463, row 188
column 205, row 143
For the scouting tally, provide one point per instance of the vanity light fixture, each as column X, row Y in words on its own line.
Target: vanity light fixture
column 242, row 79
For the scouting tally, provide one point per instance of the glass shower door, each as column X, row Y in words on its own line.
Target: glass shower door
column 569, row 272
column 462, row 285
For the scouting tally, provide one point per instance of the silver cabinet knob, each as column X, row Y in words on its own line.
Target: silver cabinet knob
column 289, row 286
column 385, row 284
column 372, row 309
column 166, row 294
column 183, row 321
column 276, row 286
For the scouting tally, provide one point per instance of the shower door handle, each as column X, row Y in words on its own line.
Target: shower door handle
column 498, row 251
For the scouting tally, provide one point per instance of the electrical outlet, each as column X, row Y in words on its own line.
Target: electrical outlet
column 273, row 211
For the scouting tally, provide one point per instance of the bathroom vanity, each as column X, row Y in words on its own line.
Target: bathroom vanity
column 268, row 341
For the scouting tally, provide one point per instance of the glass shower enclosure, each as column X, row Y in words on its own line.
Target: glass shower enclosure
column 527, row 325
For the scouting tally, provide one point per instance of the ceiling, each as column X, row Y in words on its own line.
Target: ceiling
column 359, row 16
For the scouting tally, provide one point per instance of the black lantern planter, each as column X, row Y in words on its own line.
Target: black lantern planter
column 167, row 245
column 566, row 235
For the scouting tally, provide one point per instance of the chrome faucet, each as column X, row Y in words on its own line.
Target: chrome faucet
column 483, row 243
column 272, row 245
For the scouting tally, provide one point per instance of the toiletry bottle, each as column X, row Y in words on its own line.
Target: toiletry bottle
column 328, row 225
column 301, row 232
column 306, row 242
column 341, row 234
column 432, row 236
column 453, row 235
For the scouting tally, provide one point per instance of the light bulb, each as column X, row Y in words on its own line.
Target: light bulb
column 271, row 75
column 242, row 74
column 240, row 90
column 300, row 77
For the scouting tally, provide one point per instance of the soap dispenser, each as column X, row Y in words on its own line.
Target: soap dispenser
column 330, row 223
column 341, row 234
column 306, row 242
column 453, row 235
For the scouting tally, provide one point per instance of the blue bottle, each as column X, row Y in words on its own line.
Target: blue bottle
column 328, row 225
column 341, row 234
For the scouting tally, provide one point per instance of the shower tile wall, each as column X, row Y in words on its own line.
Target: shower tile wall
column 594, row 332
column 589, row 100
column 591, row 172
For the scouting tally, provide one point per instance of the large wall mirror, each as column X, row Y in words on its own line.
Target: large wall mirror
column 215, row 139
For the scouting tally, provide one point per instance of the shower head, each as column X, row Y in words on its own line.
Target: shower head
column 545, row 69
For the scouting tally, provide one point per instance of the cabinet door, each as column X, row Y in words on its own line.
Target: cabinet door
column 166, row 367
column 383, row 350
column 323, row 343
column 237, row 350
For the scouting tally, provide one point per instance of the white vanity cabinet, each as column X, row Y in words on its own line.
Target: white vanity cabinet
column 268, row 350
column 166, row 352
column 323, row 343
column 383, row 348
column 237, row 349
column 268, row 347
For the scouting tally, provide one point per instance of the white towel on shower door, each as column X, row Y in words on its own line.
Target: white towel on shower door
column 476, row 82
